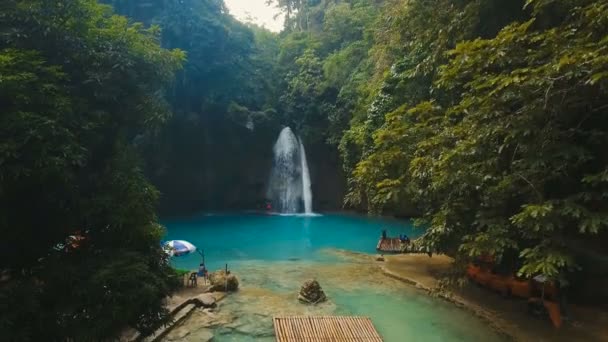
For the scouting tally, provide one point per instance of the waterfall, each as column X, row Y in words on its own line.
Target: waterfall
column 306, row 190
column 285, row 187
column 289, row 186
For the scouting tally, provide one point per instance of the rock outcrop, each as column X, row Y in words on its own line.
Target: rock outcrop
column 311, row 293
column 220, row 281
column 206, row 300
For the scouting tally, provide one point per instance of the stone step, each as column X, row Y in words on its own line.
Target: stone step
column 177, row 316
column 178, row 313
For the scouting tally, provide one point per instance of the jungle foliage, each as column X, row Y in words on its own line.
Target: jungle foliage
column 485, row 118
column 223, row 104
column 491, row 121
column 77, row 84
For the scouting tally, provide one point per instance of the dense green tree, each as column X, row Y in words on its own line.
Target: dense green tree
column 339, row 41
column 412, row 46
column 502, row 153
column 528, row 133
column 325, row 66
column 223, row 103
column 306, row 84
column 299, row 15
column 77, row 85
column 405, row 117
column 486, row 118
column 217, row 45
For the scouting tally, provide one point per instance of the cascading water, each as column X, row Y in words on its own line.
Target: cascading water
column 306, row 190
column 289, row 186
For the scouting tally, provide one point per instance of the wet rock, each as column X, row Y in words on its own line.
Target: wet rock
column 220, row 281
column 253, row 329
column 214, row 319
column 254, row 326
column 200, row 319
column 219, row 296
column 206, row 300
column 202, row 335
column 380, row 258
column 178, row 334
column 189, row 333
column 311, row 293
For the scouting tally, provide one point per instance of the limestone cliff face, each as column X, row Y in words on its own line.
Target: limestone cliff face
column 327, row 178
column 224, row 167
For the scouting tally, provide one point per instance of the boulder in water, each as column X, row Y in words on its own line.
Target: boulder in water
column 311, row 293
column 220, row 281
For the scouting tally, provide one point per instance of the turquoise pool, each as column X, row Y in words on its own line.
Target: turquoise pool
column 273, row 255
column 231, row 239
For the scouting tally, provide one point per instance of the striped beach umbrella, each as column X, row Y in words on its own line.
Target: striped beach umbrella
column 179, row 247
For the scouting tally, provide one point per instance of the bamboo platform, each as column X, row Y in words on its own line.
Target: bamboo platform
column 389, row 245
column 325, row 329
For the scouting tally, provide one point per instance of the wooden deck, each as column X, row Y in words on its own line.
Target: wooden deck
column 325, row 329
column 389, row 245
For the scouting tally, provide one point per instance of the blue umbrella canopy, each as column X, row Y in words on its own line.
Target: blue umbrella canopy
column 179, row 247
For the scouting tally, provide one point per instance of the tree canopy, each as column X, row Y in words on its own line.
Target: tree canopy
column 500, row 145
column 485, row 119
column 77, row 85
column 225, row 92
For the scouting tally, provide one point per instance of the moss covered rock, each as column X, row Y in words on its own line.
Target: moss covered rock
column 220, row 281
column 311, row 293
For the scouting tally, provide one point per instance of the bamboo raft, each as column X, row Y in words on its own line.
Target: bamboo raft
column 325, row 329
column 389, row 245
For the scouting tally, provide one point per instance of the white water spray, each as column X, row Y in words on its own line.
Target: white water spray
column 306, row 190
column 290, row 187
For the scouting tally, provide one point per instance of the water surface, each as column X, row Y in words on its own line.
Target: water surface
column 273, row 255
column 227, row 238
